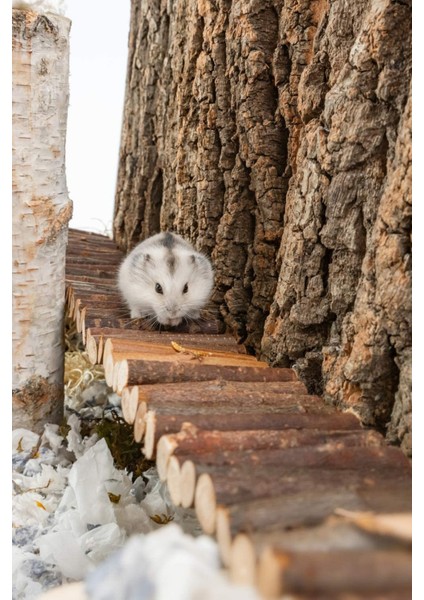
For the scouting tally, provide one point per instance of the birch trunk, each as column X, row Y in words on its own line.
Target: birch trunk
column 41, row 211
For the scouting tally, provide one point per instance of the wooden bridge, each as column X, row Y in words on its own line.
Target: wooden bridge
column 302, row 499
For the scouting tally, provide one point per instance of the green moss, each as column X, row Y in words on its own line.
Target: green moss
column 119, row 437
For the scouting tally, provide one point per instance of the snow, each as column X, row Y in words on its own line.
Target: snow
column 77, row 518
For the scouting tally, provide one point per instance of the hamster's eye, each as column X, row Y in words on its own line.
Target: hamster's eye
column 185, row 288
column 158, row 288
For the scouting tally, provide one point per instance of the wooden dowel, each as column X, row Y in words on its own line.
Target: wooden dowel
column 301, row 509
column 93, row 279
column 92, row 311
column 139, row 423
column 150, row 344
column 89, row 317
column 333, row 454
column 97, row 274
column 243, row 560
column 136, row 372
column 353, row 571
column 115, row 376
column 108, row 367
column 127, row 324
column 100, row 322
column 151, row 431
column 191, row 441
column 198, row 340
column 78, row 236
column 252, row 392
column 336, row 453
column 79, row 322
column 111, row 371
column 91, row 347
column 135, row 351
column 92, row 252
column 206, row 403
column 69, row 301
column 332, row 534
column 188, row 478
column 206, row 327
column 161, row 421
column 92, row 293
column 89, row 237
column 114, row 305
column 129, row 404
column 85, row 256
column 173, row 480
column 232, row 485
column 125, row 405
column 91, row 257
column 94, row 346
column 154, row 353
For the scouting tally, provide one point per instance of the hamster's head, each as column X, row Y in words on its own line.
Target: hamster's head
column 179, row 283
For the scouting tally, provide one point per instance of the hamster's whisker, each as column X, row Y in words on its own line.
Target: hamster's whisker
column 130, row 322
column 122, row 312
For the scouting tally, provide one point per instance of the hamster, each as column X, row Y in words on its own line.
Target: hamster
column 166, row 279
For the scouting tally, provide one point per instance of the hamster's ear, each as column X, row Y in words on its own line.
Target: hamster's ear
column 193, row 258
column 146, row 257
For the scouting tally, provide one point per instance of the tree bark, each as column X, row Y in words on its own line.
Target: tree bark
column 41, row 211
column 276, row 136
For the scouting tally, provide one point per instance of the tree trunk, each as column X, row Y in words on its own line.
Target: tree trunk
column 276, row 136
column 41, row 211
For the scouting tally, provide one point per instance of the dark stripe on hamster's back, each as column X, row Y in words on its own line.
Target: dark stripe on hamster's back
column 170, row 261
column 168, row 240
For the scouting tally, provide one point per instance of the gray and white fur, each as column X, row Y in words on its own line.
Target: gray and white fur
column 166, row 279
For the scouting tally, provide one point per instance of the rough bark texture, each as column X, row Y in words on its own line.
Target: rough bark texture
column 276, row 135
column 41, row 211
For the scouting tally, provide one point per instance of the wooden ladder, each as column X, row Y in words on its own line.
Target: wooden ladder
column 303, row 500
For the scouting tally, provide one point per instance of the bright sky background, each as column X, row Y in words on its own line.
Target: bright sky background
column 98, row 63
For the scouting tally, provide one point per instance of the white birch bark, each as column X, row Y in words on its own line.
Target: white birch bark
column 41, row 211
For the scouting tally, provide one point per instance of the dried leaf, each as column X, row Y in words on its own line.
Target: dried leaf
column 162, row 519
column 198, row 354
column 115, row 498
